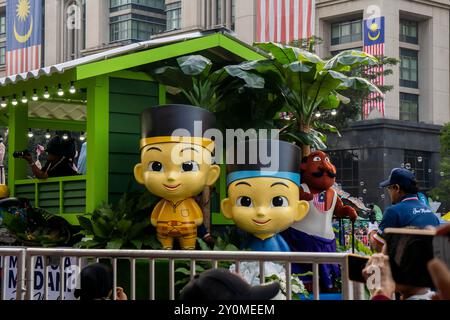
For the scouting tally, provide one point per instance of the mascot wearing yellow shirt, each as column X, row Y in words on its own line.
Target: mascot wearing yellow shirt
column 176, row 168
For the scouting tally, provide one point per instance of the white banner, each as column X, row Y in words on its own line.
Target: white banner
column 71, row 272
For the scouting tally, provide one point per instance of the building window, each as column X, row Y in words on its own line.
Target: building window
column 158, row 4
column 2, row 53
column 409, row 31
column 345, row 32
column 218, row 12
column 2, row 23
column 420, row 164
column 408, row 68
column 233, row 15
column 409, row 107
column 132, row 29
column 347, row 164
column 173, row 14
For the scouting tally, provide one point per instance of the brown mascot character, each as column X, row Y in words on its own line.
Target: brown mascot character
column 315, row 232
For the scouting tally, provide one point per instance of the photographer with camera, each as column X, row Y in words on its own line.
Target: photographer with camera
column 60, row 157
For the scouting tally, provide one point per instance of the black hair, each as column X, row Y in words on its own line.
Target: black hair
column 412, row 188
column 62, row 147
column 96, row 282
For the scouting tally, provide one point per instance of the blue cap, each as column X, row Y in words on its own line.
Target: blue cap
column 401, row 177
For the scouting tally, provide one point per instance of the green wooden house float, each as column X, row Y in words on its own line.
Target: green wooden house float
column 112, row 89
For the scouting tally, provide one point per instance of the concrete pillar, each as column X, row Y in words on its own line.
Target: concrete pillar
column 97, row 23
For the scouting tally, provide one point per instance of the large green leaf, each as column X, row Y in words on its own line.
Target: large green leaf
column 194, row 65
column 299, row 66
column 251, row 80
column 86, row 224
column 350, row 59
column 282, row 54
column 172, row 76
column 137, row 228
column 114, row 244
column 124, row 225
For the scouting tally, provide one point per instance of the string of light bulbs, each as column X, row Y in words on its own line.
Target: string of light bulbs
column 14, row 99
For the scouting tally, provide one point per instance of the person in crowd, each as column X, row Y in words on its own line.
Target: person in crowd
column 60, row 155
column 438, row 271
column 406, row 210
column 96, row 283
column 221, row 284
column 82, row 159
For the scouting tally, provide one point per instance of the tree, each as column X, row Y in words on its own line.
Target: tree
column 442, row 191
column 353, row 110
column 309, row 84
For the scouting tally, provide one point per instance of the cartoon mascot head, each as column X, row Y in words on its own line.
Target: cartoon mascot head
column 317, row 171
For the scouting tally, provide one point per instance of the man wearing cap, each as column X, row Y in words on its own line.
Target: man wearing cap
column 176, row 168
column 406, row 210
column 264, row 201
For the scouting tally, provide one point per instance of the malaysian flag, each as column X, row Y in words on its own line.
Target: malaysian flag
column 24, row 35
column 374, row 45
column 319, row 201
column 284, row 20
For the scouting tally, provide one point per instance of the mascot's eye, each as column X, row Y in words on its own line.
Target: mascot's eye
column 244, row 202
column 155, row 166
column 327, row 159
column 279, row 201
column 189, row 166
column 317, row 159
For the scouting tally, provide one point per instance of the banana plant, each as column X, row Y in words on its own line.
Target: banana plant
column 309, row 84
column 195, row 77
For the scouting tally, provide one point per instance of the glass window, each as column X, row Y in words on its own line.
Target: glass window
column 233, row 14
column 346, row 162
column 2, row 53
column 409, row 31
column 2, row 23
column 173, row 14
column 408, row 68
column 409, row 107
column 419, row 163
column 133, row 30
column 158, row 4
column 344, row 32
column 219, row 11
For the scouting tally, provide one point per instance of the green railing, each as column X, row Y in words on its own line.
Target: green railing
column 65, row 196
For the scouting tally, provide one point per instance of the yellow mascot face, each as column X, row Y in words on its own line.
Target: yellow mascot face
column 264, row 206
column 176, row 170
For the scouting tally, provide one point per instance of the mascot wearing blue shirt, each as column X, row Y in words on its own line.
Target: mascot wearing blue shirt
column 263, row 183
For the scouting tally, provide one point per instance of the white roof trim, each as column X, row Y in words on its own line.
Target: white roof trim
column 62, row 67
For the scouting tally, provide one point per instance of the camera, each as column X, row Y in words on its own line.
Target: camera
column 21, row 154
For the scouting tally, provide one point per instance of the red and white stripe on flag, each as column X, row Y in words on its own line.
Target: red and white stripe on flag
column 319, row 201
column 374, row 100
column 284, row 20
column 23, row 60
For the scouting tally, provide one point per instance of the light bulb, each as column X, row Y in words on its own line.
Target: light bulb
column 60, row 91
column 318, row 114
column 14, row 101
column 333, row 112
column 46, row 94
column 48, row 135
column 72, row 89
column 65, row 136
column 3, row 103
column 24, row 98
column 30, row 134
column 34, row 97
column 82, row 137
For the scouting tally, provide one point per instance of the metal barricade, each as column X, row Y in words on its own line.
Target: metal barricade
column 26, row 261
column 19, row 261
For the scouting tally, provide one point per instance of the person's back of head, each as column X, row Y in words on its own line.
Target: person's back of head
column 62, row 147
column 221, row 284
column 96, row 282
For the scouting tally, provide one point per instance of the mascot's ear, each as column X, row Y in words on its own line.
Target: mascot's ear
column 226, row 207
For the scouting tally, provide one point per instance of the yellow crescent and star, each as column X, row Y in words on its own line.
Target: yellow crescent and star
column 373, row 28
column 22, row 13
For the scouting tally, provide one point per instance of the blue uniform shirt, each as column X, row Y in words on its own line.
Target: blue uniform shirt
column 275, row 243
column 409, row 212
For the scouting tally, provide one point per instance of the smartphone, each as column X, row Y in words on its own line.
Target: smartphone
column 356, row 264
column 410, row 250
